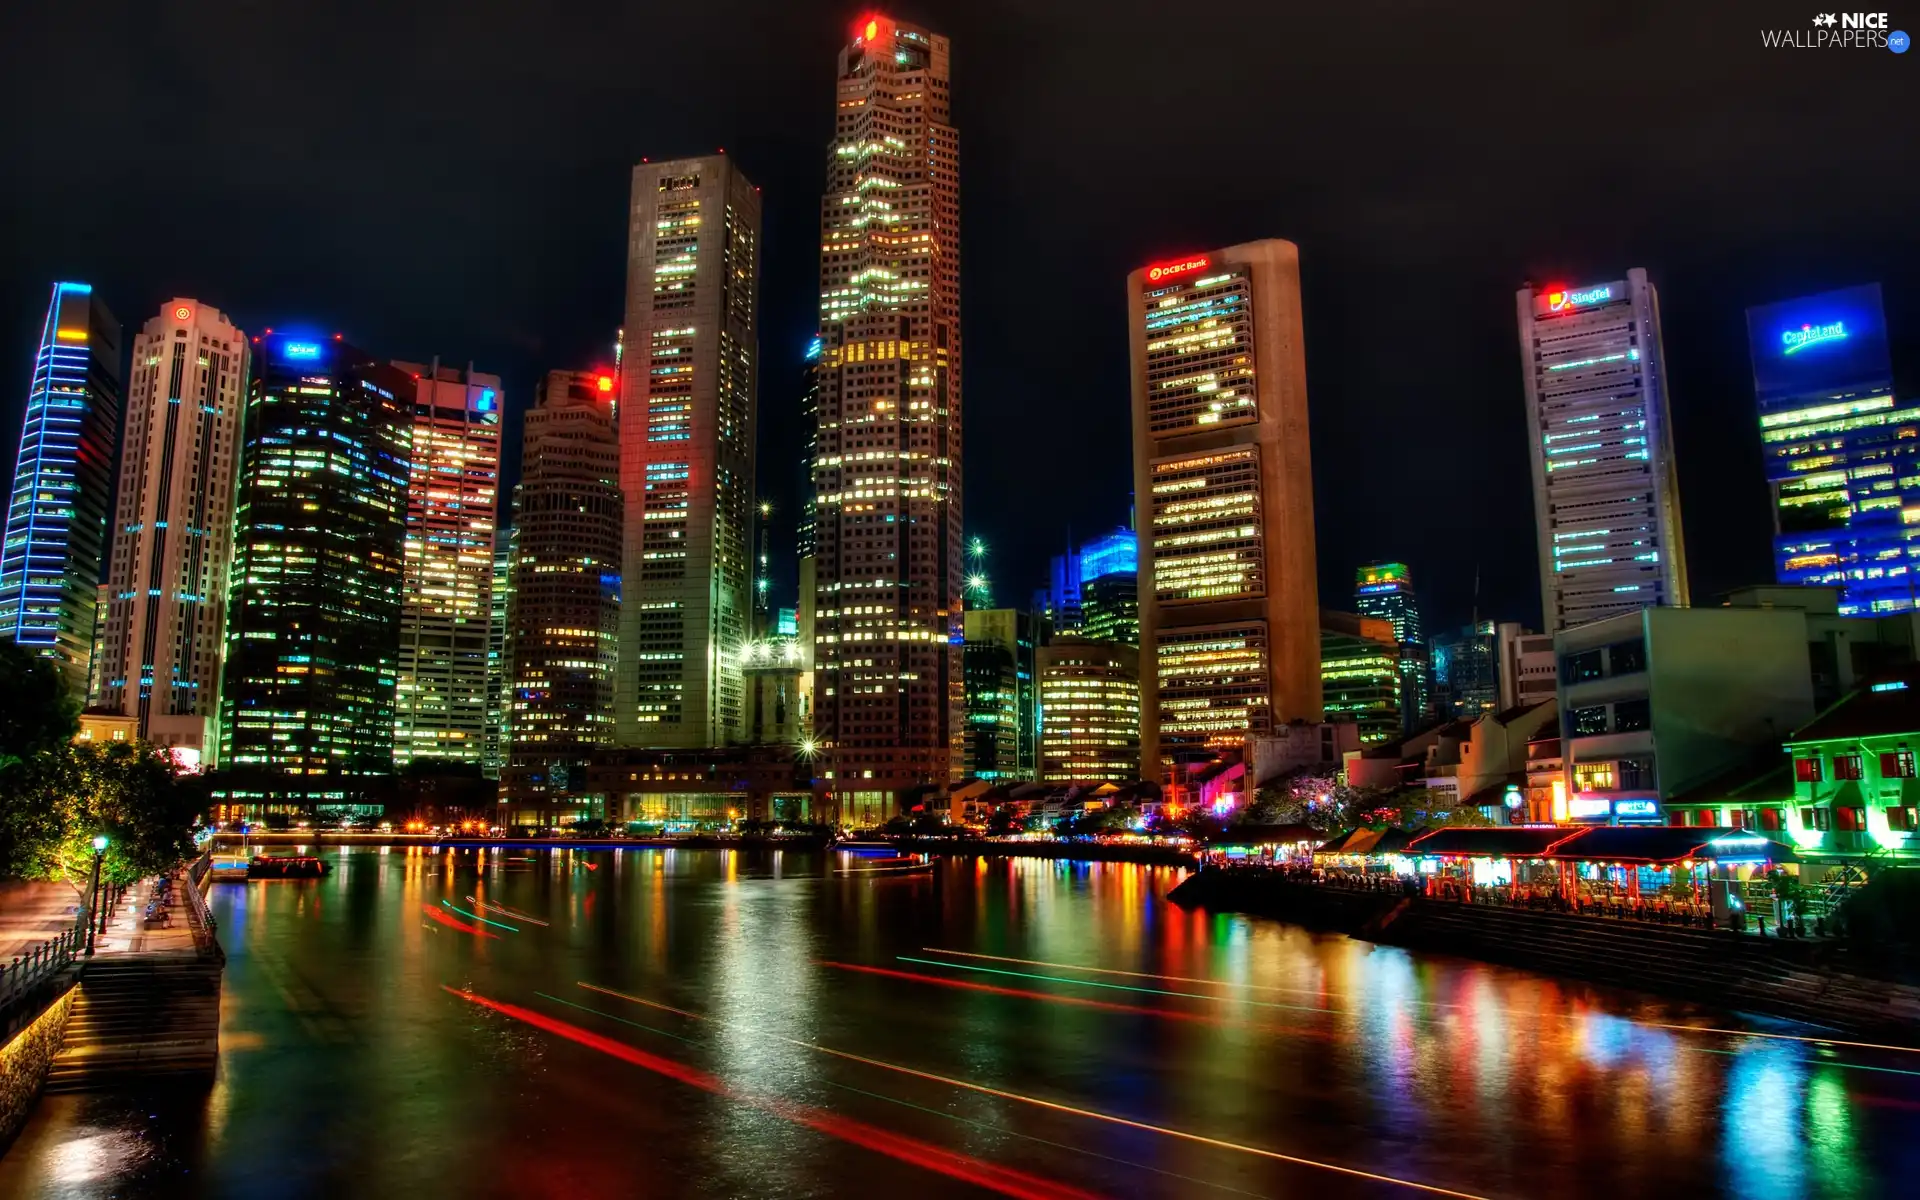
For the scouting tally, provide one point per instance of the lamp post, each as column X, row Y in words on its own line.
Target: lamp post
column 93, row 903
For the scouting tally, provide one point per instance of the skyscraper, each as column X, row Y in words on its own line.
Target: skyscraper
column 1466, row 671
column 493, row 755
column 890, row 707
column 1385, row 590
column 1089, row 711
column 161, row 644
column 313, row 610
column 1605, row 501
column 1110, row 588
column 446, row 615
column 564, row 606
column 686, row 453
column 1002, row 704
column 62, row 485
column 1360, row 674
column 1229, row 613
column 1840, row 450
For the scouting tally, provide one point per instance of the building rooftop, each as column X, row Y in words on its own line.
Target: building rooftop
column 1886, row 703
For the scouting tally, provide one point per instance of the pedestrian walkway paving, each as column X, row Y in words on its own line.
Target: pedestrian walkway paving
column 31, row 912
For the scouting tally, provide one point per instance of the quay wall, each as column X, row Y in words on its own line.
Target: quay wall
column 1818, row 982
column 27, row 1057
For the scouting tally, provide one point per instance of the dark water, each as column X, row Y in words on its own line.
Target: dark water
column 358, row 1060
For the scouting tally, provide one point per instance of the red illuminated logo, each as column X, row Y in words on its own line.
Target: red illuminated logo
column 183, row 313
column 1181, row 266
column 867, row 28
column 606, row 383
column 1556, row 301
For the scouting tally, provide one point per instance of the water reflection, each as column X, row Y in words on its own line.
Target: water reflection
column 1038, row 1026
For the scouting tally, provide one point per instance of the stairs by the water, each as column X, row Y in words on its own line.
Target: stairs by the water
column 140, row 1016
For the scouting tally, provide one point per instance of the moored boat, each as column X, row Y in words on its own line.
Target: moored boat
column 287, row 866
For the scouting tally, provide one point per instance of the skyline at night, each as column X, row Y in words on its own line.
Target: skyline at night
column 1395, row 210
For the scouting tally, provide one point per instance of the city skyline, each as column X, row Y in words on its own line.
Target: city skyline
column 1431, row 228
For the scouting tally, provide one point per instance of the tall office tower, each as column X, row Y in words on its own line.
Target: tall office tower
column 1840, row 450
column 493, row 754
column 1466, row 671
column 564, row 609
column 1110, row 588
column 1360, row 676
column 446, row 616
column 686, row 453
column 1229, row 611
column 313, row 608
column 1605, row 500
column 1089, row 712
column 1002, row 732
column 891, row 693
column 1060, row 600
column 62, row 484
column 1385, row 590
column 161, row 641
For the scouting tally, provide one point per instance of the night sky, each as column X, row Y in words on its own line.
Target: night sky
column 451, row 178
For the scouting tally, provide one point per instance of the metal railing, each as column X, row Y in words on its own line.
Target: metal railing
column 20, row 979
column 199, row 918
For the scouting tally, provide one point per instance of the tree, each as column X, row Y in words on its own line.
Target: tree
column 37, row 716
column 56, row 804
column 1271, row 805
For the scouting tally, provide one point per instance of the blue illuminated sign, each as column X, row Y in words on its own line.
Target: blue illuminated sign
column 301, row 350
column 1796, row 340
column 1635, row 808
column 1819, row 347
column 1561, row 299
column 486, row 401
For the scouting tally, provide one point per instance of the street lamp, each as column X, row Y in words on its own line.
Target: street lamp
column 93, row 893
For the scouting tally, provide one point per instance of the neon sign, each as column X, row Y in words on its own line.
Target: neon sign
column 1796, row 340
column 1180, row 266
column 183, row 313
column 301, row 350
column 1561, row 299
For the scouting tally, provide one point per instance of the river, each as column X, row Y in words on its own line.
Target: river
column 719, row 1023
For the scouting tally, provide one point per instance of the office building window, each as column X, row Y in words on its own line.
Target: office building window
column 1626, row 658
column 1587, row 722
column 1630, row 716
column 1576, row 668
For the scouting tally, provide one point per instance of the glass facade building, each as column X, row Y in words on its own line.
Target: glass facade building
column 161, row 642
column 1229, row 610
column 1842, row 454
column 446, row 617
column 63, row 477
column 313, row 634
column 1466, row 671
column 1110, row 588
column 1606, row 501
column 1360, row 674
column 1002, row 700
column 1385, row 591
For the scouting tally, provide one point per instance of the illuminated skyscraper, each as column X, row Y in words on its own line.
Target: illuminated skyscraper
column 1385, row 590
column 889, row 575
column 494, row 754
column 1843, row 457
column 1466, row 671
column 446, row 617
column 686, row 453
column 564, row 606
column 1229, row 611
column 62, row 484
column 1002, row 701
column 1605, row 501
column 161, row 644
column 1089, row 712
column 1360, row 675
column 313, row 609
column 1110, row 588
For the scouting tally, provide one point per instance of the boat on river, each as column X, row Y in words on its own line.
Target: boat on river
column 287, row 866
column 899, row 864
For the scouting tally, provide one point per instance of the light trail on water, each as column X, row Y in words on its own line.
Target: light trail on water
column 1052, row 1105
column 1005, row 1180
column 1120, row 987
column 475, row 917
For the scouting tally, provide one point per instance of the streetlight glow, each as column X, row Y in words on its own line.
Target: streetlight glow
column 100, row 843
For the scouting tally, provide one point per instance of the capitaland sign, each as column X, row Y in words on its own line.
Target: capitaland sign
column 1793, row 341
column 1179, row 266
column 1562, row 299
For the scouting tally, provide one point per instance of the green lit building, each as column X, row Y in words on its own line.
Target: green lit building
column 1360, row 677
column 1002, row 734
column 313, row 636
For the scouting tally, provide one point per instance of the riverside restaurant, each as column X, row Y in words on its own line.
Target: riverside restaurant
column 1657, row 872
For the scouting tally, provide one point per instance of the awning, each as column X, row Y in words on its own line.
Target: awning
column 1267, row 835
column 1668, row 844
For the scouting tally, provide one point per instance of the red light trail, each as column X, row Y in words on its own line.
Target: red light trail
column 452, row 923
column 1121, row 987
column 1054, row 1106
column 1005, row 1180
